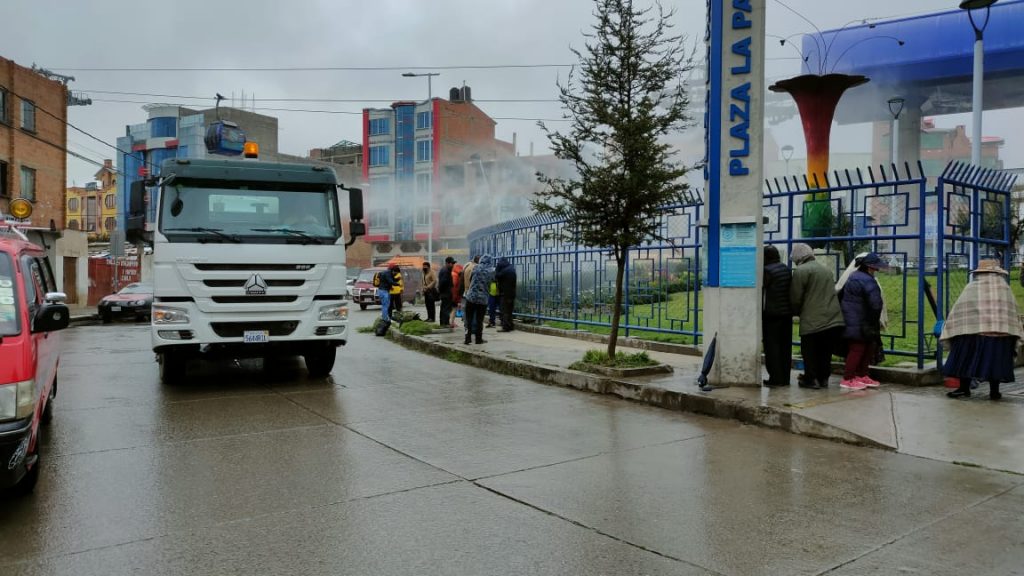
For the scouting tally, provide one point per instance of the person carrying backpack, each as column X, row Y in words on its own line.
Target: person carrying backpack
column 384, row 282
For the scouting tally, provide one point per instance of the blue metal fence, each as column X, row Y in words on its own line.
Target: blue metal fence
column 928, row 236
column 974, row 209
column 574, row 286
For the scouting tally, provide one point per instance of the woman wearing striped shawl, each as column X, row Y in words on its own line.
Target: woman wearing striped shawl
column 981, row 332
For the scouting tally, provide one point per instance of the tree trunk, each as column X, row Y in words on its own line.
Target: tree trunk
column 613, row 339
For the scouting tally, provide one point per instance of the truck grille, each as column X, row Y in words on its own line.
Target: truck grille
column 235, row 329
column 241, row 283
column 254, row 267
column 253, row 299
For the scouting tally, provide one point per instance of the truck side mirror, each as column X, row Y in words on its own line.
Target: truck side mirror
column 356, row 229
column 135, row 219
column 355, row 204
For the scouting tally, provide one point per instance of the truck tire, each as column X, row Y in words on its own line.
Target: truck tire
column 319, row 363
column 362, row 306
column 172, row 367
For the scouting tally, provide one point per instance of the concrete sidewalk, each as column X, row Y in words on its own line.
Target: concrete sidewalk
column 919, row 421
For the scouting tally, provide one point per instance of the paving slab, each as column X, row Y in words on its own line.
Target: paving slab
column 766, row 506
column 911, row 419
column 457, row 529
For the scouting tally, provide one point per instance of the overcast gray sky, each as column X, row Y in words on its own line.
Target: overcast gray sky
column 400, row 33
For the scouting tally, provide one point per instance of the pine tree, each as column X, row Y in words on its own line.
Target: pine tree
column 624, row 98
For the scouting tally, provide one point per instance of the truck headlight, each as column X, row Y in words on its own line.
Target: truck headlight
column 334, row 313
column 164, row 315
column 17, row 400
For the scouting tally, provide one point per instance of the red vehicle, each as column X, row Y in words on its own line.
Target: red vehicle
column 31, row 312
column 134, row 300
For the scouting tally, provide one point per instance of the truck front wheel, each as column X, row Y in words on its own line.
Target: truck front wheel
column 320, row 362
column 172, row 367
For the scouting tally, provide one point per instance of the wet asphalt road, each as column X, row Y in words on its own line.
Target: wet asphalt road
column 407, row 464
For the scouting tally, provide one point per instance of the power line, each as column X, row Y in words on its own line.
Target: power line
column 313, row 68
column 73, row 127
column 347, row 100
column 315, row 111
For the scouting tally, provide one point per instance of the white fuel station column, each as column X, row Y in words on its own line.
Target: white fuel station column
column 734, row 134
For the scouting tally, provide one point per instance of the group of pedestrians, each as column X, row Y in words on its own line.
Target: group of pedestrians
column 843, row 318
column 479, row 289
column 846, row 318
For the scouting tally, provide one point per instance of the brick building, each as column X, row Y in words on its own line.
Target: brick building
column 418, row 162
column 93, row 208
column 33, row 139
column 938, row 147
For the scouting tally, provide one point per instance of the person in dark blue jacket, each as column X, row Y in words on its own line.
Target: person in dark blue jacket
column 505, row 276
column 861, row 303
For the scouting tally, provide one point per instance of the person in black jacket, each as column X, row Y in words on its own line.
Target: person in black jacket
column 444, row 288
column 505, row 276
column 776, row 319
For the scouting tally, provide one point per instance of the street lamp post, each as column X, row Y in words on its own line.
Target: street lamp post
column 430, row 212
column 895, row 108
column 979, row 72
column 787, row 154
column 428, row 75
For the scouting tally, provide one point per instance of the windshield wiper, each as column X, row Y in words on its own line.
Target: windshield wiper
column 215, row 231
column 293, row 232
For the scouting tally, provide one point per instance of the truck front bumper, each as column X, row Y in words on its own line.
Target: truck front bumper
column 245, row 333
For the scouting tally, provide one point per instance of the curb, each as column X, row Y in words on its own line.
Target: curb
column 708, row 405
column 905, row 376
column 83, row 320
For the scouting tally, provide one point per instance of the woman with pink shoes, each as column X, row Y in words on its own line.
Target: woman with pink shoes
column 861, row 302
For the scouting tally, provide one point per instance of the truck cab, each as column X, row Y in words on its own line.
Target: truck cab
column 248, row 261
column 31, row 314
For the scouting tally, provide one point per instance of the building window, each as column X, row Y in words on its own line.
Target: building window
column 90, row 216
column 28, row 184
column 110, row 223
column 380, row 184
column 379, row 126
column 73, row 205
column 424, row 120
column 424, row 151
column 110, row 201
column 5, row 192
column 451, row 214
column 378, row 218
column 455, row 175
column 424, row 183
column 72, row 224
column 380, row 155
column 3, row 107
column 28, row 115
column 423, row 216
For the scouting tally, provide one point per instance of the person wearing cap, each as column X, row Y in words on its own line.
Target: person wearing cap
column 813, row 298
column 981, row 332
column 862, row 306
column 776, row 319
column 445, row 286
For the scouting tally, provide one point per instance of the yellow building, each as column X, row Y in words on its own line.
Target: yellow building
column 93, row 208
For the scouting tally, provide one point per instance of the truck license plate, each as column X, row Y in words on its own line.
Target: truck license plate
column 256, row 336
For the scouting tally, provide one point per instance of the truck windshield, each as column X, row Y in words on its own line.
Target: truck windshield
column 249, row 212
column 9, row 322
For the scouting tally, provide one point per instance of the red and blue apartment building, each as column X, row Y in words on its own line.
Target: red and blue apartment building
column 426, row 166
